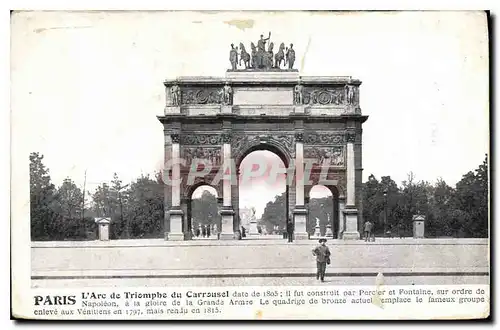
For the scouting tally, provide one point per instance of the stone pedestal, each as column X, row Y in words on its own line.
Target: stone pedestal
column 329, row 232
column 418, row 226
column 351, row 224
column 300, row 220
column 175, row 233
column 317, row 230
column 225, row 109
column 103, row 225
column 226, row 232
column 299, row 109
column 253, row 228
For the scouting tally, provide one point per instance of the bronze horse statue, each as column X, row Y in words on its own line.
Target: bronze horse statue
column 280, row 56
column 244, row 56
column 268, row 62
column 254, row 54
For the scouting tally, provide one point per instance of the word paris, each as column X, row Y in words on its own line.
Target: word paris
column 266, row 172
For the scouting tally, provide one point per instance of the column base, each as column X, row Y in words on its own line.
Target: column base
column 351, row 223
column 299, row 219
column 175, row 236
column 175, row 233
column 350, row 235
column 227, row 232
column 226, row 236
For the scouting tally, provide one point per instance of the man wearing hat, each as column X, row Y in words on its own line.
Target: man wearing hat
column 322, row 254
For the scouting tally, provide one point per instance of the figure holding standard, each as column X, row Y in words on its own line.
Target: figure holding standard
column 322, row 254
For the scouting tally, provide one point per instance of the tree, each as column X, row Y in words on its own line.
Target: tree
column 68, row 201
column 143, row 208
column 204, row 210
column 471, row 198
column 319, row 208
column 41, row 199
column 275, row 213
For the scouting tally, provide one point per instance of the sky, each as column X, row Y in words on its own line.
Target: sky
column 86, row 87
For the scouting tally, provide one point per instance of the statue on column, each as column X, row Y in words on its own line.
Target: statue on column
column 227, row 93
column 233, row 57
column 298, row 94
column 290, row 57
column 350, row 94
column 175, row 91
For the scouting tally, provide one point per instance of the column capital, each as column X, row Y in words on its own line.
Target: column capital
column 226, row 137
column 176, row 137
column 350, row 137
column 299, row 136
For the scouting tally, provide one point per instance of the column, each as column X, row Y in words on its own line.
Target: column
column 175, row 212
column 340, row 218
column 350, row 212
column 227, row 213
column 299, row 212
column 167, row 188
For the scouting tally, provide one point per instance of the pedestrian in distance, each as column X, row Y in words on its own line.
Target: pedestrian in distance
column 322, row 254
column 368, row 230
column 289, row 230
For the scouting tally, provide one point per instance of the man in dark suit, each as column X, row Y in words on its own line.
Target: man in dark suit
column 322, row 254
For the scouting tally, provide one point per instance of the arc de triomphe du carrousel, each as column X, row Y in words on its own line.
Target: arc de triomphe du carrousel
column 313, row 123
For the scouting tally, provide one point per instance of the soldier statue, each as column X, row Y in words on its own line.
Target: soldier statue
column 227, row 92
column 233, row 57
column 298, row 94
column 290, row 56
column 175, row 91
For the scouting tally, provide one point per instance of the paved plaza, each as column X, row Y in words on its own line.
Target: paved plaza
column 256, row 262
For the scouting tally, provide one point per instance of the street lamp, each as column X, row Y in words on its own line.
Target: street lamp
column 385, row 209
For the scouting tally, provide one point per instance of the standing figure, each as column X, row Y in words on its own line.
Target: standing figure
column 322, row 254
column 243, row 232
column 227, row 92
column 368, row 230
column 269, row 56
column 204, row 231
column 197, row 232
column 261, row 50
column 298, row 94
column 350, row 94
column 289, row 229
column 290, row 57
column 175, row 91
column 208, row 231
column 233, row 57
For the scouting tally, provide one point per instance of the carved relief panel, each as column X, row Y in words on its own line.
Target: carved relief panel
column 200, row 139
column 334, row 96
column 211, row 155
column 207, row 95
column 326, row 156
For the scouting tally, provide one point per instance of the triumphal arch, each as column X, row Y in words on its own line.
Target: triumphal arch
column 313, row 123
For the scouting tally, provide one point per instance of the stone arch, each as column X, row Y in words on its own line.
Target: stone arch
column 336, row 191
column 188, row 203
column 258, row 144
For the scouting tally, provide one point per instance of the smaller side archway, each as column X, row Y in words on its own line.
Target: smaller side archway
column 323, row 206
column 202, row 220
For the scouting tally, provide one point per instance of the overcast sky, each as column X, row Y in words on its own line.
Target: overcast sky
column 87, row 87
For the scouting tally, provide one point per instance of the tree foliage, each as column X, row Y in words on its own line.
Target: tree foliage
column 137, row 210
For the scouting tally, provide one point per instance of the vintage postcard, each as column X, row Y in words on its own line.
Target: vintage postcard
column 250, row 165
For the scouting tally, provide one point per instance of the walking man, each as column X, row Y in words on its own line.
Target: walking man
column 368, row 231
column 322, row 254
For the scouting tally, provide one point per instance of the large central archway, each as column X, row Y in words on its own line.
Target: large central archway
column 263, row 192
